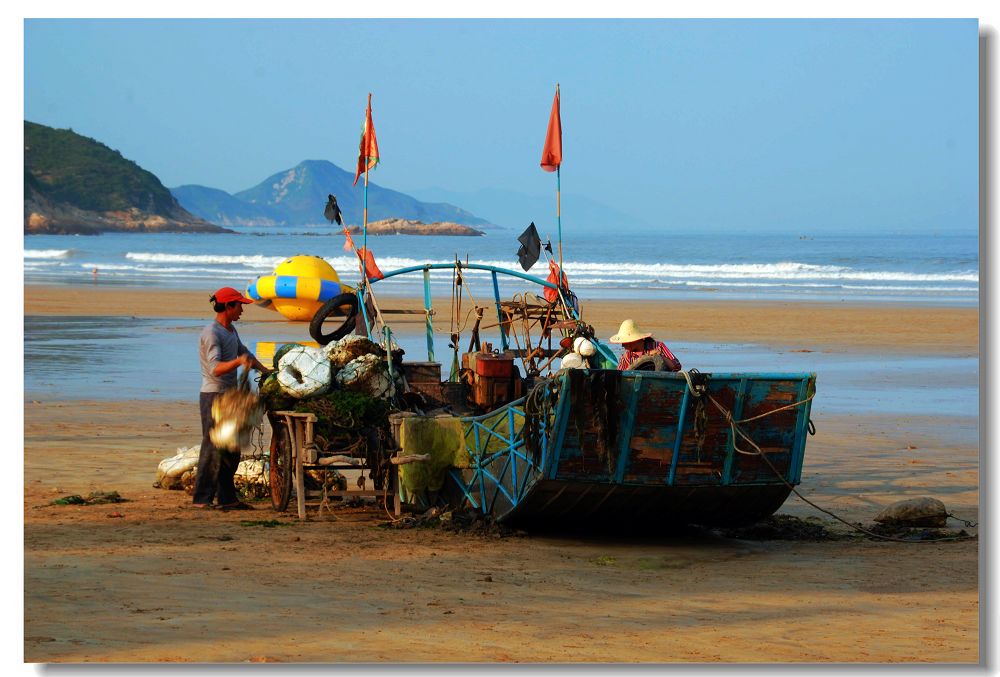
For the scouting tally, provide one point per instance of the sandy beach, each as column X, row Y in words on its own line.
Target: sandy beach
column 154, row 580
column 817, row 326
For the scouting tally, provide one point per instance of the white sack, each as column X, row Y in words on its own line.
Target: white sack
column 583, row 346
column 168, row 473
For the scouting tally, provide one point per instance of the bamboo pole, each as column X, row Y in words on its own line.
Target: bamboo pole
column 559, row 217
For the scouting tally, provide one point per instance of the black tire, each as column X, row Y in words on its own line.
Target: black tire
column 650, row 363
column 281, row 467
column 334, row 307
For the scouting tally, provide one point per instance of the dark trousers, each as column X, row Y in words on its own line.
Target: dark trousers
column 215, row 468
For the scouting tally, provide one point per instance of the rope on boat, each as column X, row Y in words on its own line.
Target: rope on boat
column 700, row 390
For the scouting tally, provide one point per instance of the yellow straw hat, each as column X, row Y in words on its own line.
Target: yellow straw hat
column 628, row 332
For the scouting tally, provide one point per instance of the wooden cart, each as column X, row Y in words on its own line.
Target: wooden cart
column 294, row 451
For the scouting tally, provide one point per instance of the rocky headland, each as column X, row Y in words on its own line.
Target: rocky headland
column 408, row 227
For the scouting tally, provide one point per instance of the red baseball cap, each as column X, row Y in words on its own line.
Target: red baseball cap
column 227, row 294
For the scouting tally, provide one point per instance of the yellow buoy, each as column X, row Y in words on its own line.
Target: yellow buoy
column 299, row 286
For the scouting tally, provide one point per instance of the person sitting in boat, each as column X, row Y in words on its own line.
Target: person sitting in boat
column 642, row 351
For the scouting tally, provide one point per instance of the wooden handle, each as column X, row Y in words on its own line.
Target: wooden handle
column 412, row 458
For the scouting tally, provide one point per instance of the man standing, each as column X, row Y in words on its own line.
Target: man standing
column 221, row 353
column 639, row 344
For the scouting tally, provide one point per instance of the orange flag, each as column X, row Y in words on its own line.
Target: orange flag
column 371, row 270
column 557, row 279
column 368, row 151
column 552, row 151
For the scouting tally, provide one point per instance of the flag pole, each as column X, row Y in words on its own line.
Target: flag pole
column 365, row 217
column 364, row 240
column 559, row 192
column 559, row 212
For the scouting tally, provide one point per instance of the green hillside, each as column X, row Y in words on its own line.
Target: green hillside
column 66, row 167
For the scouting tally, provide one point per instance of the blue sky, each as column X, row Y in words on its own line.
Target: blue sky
column 778, row 125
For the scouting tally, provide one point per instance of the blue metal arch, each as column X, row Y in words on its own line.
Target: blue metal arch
column 470, row 266
column 494, row 270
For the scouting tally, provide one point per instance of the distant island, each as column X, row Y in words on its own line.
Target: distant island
column 408, row 227
column 76, row 185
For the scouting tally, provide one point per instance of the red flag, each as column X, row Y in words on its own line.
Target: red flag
column 551, row 294
column 552, row 151
column 371, row 270
column 368, row 151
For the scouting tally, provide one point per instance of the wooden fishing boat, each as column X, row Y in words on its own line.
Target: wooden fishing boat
column 632, row 447
column 596, row 445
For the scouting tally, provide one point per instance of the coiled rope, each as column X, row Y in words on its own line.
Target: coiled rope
column 700, row 390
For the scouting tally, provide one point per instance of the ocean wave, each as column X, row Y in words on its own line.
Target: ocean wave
column 761, row 271
column 253, row 261
column 175, row 271
column 47, row 253
column 726, row 271
column 585, row 270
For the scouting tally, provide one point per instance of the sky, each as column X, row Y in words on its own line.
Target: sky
column 799, row 126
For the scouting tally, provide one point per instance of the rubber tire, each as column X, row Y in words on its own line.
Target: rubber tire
column 649, row 363
column 281, row 467
column 329, row 308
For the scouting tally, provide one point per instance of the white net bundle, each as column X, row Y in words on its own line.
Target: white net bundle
column 304, row 371
column 347, row 349
column 368, row 374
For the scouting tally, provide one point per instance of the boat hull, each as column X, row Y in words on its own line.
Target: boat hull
column 601, row 446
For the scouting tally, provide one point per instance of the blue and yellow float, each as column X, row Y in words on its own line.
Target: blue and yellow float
column 298, row 287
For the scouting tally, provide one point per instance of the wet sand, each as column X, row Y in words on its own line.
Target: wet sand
column 813, row 326
column 155, row 580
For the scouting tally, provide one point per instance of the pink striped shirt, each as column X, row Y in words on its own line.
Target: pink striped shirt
column 649, row 347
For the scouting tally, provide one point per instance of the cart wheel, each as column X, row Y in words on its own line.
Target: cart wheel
column 281, row 467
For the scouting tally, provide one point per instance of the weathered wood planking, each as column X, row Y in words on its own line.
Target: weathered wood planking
column 627, row 469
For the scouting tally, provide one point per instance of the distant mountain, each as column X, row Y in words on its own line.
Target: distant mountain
column 74, row 184
column 297, row 196
column 516, row 210
column 220, row 207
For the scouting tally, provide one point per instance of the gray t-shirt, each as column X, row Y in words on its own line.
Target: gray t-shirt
column 218, row 344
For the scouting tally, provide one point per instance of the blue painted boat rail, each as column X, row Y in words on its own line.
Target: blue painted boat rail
column 662, row 455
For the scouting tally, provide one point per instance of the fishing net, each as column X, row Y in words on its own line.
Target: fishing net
column 368, row 374
column 236, row 413
column 350, row 348
column 304, row 371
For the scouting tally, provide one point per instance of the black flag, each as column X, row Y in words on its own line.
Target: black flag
column 531, row 247
column 332, row 211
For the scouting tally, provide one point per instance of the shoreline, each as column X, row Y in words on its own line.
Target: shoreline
column 795, row 325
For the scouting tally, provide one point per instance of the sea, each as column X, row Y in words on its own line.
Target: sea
column 105, row 357
column 927, row 269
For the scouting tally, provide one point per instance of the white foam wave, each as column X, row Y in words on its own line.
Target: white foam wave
column 585, row 271
column 658, row 271
column 762, row 271
column 254, row 261
column 47, row 253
